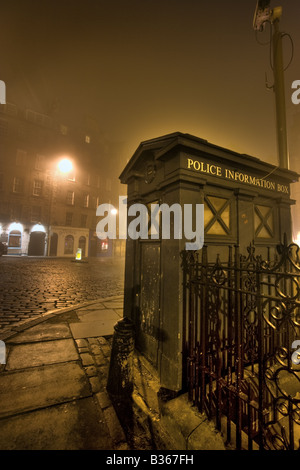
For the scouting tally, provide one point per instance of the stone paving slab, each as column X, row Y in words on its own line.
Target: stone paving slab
column 101, row 315
column 69, row 426
column 38, row 387
column 39, row 333
column 93, row 329
column 26, row 355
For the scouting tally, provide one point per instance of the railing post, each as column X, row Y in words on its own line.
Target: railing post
column 238, row 347
column 260, row 340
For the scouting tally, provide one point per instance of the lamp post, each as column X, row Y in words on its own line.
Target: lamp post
column 64, row 166
column 263, row 14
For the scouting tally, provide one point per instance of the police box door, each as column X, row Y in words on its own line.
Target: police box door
column 148, row 324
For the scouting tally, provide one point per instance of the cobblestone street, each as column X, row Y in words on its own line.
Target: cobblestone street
column 31, row 286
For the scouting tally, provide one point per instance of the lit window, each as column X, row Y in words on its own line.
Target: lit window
column 86, row 199
column 17, row 185
column 104, row 245
column 37, row 187
column 70, row 198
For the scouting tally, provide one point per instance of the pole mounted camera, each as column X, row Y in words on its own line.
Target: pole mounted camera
column 262, row 14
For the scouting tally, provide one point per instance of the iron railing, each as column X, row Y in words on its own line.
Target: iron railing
column 242, row 323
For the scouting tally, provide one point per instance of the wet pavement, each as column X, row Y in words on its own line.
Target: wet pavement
column 53, row 385
column 31, row 286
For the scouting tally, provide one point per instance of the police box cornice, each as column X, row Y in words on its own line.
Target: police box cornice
column 225, row 165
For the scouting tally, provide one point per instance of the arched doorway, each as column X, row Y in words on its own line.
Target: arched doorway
column 36, row 245
column 82, row 245
column 14, row 239
column 69, row 245
column 53, row 244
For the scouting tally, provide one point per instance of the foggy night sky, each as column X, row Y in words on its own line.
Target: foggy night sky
column 145, row 68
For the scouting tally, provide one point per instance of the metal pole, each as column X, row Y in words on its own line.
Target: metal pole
column 279, row 92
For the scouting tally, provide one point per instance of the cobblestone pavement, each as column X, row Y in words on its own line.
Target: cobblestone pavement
column 31, row 286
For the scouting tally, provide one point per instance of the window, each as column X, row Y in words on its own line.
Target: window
column 14, row 240
column 39, row 162
column 69, row 218
column 216, row 216
column 263, row 222
column 36, row 213
column 69, row 245
column 37, row 187
column 21, row 157
column 83, row 220
column 87, row 139
column 70, row 198
column 86, row 199
column 88, row 179
column 17, row 185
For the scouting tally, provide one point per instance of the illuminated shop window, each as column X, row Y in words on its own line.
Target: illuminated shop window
column 104, row 245
column 217, row 214
column 14, row 239
column 263, row 222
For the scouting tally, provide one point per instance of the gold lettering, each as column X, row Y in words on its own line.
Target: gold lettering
column 190, row 162
column 282, row 188
column 229, row 174
column 219, row 171
column 196, row 165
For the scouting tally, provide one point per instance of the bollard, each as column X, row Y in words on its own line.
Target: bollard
column 2, row 353
column 120, row 375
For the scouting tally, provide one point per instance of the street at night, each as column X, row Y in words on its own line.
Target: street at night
column 31, row 286
column 149, row 227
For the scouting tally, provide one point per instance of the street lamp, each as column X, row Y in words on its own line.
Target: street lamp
column 64, row 166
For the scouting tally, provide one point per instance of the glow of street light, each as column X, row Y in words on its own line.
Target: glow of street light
column 65, row 165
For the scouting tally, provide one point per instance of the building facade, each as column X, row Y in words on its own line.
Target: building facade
column 44, row 211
